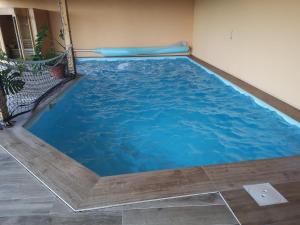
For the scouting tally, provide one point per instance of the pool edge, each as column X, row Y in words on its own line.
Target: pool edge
column 101, row 192
column 288, row 112
column 89, row 199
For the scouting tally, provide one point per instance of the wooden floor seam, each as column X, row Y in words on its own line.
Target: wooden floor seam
column 43, row 183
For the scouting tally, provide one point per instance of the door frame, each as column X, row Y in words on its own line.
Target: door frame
column 2, row 43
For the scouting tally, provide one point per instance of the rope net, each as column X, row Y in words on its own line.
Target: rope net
column 40, row 78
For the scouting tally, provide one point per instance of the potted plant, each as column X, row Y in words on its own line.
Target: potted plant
column 10, row 83
column 57, row 70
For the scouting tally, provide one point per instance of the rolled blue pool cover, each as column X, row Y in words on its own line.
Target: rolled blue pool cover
column 179, row 48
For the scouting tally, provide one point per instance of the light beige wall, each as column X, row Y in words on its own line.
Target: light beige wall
column 117, row 23
column 255, row 40
column 121, row 23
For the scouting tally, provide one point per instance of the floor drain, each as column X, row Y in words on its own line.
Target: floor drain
column 265, row 194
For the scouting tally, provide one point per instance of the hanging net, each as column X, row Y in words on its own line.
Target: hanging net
column 40, row 78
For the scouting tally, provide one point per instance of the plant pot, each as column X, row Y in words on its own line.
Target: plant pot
column 58, row 71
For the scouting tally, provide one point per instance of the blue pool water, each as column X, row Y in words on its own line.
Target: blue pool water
column 136, row 115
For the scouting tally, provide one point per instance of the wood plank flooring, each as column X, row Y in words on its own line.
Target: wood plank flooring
column 234, row 176
column 69, row 179
column 83, row 189
column 25, row 201
column 153, row 185
column 250, row 213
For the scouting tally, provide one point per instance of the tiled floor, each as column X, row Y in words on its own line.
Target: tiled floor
column 25, row 201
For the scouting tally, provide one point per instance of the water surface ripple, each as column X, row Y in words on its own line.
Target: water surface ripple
column 132, row 116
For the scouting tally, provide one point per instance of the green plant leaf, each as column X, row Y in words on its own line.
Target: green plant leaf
column 12, row 82
column 11, row 75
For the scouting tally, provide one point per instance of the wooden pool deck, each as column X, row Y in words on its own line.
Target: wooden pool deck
column 67, row 191
column 25, row 201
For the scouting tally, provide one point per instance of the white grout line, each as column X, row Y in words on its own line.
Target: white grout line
column 230, row 208
column 101, row 207
column 108, row 206
column 38, row 178
column 145, row 201
column 122, row 204
column 142, row 201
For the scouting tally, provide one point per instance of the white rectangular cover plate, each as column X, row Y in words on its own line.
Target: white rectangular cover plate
column 265, row 194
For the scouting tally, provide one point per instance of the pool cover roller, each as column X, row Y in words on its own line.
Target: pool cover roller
column 179, row 48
